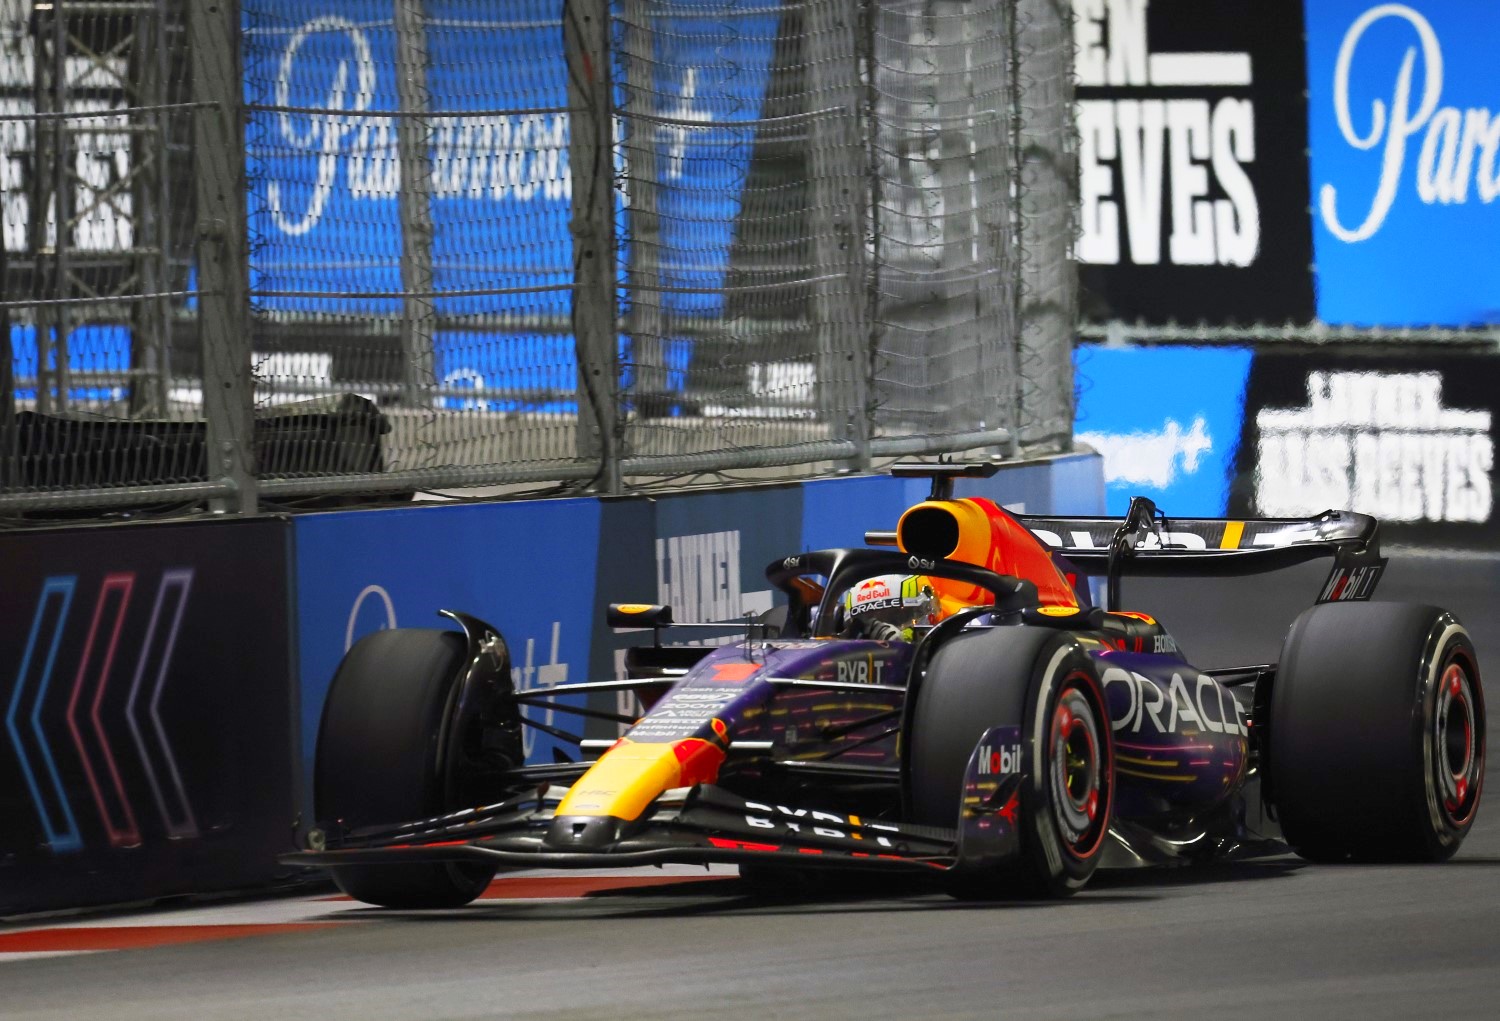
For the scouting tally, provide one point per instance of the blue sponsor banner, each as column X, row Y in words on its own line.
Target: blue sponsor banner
column 93, row 348
column 1167, row 421
column 712, row 549
column 838, row 512
column 526, row 568
column 511, row 373
column 1404, row 127
column 717, row 68
column 325, row 186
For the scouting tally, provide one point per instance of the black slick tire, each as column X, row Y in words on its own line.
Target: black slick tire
column 1044, row 682
column 378, row 760
column 1376, row 737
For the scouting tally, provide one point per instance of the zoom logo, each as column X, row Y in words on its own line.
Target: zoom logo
column 372, row 606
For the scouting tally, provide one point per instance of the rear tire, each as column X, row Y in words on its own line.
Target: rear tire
column 1377, row 738
column 377, row 760
column 1043, row 681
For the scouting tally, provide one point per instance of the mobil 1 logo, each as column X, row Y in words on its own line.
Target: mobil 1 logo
column 1193, row 179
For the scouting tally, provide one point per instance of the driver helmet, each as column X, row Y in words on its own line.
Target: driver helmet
column 905, row 601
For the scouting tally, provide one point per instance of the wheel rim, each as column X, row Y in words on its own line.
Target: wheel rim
column 1078, row 773
column 1458, row 751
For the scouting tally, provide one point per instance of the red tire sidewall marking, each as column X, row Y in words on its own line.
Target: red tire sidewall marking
column 1106, row 757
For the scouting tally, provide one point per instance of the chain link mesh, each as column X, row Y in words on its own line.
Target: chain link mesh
column 943, row 252
column 1047, row 162
column 742, row 173
column 863, row 289
column 409, row 203
column 840, row 233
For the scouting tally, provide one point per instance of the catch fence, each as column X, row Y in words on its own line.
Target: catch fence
column 293, row 248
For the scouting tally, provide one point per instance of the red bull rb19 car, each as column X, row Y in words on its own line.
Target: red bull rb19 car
column 945, row 701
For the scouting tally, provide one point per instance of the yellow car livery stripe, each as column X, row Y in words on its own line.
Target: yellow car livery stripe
column 631, row 775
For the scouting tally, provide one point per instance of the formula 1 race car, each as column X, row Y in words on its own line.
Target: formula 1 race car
column 947, row 701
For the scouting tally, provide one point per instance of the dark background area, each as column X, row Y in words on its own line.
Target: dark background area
column 225, row 709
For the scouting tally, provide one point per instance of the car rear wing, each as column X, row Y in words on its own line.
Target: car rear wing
column 1148, row 544
column 1145, row 543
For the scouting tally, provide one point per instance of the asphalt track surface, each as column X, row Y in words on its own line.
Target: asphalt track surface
column 1275, row 938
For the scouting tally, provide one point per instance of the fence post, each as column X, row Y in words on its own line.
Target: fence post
column 9, row 463
column 641, row 139
column 840, row 190
column 1046, row 169
column 49, row 169
column 223, row 251
column 591, row 166
column 977, row 213
column 414, row 198
column 150, row 181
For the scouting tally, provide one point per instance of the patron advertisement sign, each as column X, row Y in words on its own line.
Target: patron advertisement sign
column 1191, row 124
column 1404, row 127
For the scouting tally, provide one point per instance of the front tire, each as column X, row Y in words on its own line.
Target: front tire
column 1043, row 681
column 1377, row 738
column 378, row 760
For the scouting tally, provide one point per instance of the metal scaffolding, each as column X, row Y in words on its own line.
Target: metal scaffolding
column 106, row 85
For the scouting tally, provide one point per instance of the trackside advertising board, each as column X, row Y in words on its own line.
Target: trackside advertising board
column 147, row 692
column 542, row 573
column 527, row 568
column 326, row 174
column 1192, row 173
column 1408, row 438
column 1404, row 129
column 704, row 554
column 1179, row 446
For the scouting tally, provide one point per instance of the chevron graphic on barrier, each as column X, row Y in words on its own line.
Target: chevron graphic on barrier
column 57, row 820
column 120, row 824
column 179, row 823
